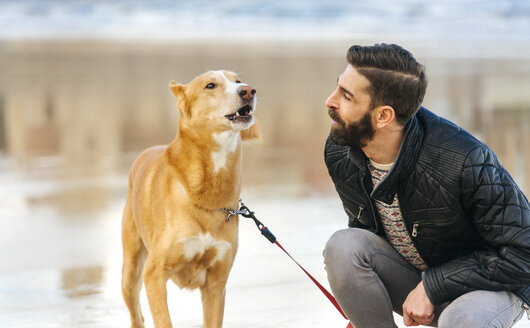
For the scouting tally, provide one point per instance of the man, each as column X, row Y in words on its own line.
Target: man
column 439, row 232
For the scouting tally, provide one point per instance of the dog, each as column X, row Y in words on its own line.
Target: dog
column 174, row 225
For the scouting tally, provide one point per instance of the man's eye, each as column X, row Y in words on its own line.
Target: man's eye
column 237, row 81
column 346, row 97
column 210, row 86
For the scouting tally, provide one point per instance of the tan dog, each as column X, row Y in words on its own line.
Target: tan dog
column 173, row 227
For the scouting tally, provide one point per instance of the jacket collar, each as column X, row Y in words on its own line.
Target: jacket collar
column 404, row 165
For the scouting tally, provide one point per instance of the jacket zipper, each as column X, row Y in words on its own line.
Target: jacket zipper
column 371, row 206
column 415, row 230
column 526, row 308
column 350, row 213
column 413, row 234
column 415, row 226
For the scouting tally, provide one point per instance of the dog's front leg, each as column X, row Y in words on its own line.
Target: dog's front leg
column 155, row 280
column 213, row 303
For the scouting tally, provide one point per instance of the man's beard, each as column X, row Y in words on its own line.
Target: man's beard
column 356, row 134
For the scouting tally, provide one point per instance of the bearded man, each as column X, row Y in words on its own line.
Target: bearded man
column 438, row 230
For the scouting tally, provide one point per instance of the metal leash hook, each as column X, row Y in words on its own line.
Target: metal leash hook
column 232, row 212
column 246, row 212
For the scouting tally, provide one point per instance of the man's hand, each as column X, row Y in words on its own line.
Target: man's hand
column 417, row 308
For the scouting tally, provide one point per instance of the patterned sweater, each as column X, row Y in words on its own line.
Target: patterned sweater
column 392, row 220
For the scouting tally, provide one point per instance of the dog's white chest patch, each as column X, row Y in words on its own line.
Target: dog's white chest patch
column 198, row 245
column 227, row 141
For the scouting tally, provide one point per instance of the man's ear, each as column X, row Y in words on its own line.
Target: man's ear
column 384, row 116
column 251, row 133
column 178, row 91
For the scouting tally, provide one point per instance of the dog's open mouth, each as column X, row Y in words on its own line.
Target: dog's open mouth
column 244, row 114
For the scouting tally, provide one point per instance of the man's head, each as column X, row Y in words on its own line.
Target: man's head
column 382, row 83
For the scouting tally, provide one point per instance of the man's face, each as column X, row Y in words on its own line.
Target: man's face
column 349, row 108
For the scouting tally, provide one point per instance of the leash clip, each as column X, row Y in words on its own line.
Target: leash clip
column 246, row 212
column 243, row 210
column 230, row 213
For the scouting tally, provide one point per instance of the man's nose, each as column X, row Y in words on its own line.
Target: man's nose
column 330, row 102
column 246, row 92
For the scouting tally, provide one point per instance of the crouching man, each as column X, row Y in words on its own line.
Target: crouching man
column 438, row 230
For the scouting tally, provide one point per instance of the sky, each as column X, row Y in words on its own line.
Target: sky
column 493, row 24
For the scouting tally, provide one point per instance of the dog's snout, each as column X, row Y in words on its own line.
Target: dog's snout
column 246, row 92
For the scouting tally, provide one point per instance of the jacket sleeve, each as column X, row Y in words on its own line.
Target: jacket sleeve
column 501, row 216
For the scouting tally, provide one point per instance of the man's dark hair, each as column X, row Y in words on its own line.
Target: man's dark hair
column 396, row 78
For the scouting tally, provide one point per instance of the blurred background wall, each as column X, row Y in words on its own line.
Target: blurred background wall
column 83, row 84
column 94, row 102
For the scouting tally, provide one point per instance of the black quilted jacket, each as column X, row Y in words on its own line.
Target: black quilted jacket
column 465, row 214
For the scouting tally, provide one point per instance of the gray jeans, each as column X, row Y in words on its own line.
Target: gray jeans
column 370, row 280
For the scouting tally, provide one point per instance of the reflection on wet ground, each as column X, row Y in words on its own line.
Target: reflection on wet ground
column 61, row 268
column 84, row 281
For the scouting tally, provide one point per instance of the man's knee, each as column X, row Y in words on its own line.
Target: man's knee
column 458, row 317
column 457, row 313
column 342, row 242
column 481, row 309
column 339, row 257
column 348, row 247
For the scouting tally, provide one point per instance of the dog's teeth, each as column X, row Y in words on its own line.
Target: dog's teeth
column 236, row 115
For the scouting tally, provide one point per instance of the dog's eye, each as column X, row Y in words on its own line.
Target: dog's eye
column 237, row 81
column 210, row 86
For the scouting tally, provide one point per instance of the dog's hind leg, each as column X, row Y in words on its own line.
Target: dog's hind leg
column 134, row 255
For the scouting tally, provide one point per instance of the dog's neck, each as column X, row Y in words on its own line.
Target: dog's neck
column 208, row 166
column 227, row 142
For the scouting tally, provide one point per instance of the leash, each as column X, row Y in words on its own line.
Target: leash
column 246, row 212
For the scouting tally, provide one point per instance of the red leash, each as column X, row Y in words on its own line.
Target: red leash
column 245, row 211
column 324, row 290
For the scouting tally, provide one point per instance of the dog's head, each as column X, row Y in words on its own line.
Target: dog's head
column 216, row 98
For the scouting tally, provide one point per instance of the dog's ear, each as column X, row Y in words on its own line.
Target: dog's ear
column 251, row 133
column 178, row 91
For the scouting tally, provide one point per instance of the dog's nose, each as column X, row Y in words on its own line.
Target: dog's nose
column 246, row 92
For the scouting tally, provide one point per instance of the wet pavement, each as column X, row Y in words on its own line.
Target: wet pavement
column 61, row 256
